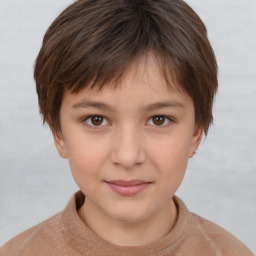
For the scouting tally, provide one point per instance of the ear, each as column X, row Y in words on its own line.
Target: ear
column 197, row 137
column 60, row 144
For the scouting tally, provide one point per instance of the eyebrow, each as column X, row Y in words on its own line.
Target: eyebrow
column 94, row 104
column 165, row 104
column 149, row 107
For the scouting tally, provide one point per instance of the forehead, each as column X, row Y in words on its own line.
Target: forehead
column 145, row 76
column 142, row 87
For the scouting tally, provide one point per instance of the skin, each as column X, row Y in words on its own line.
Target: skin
column 128, row 144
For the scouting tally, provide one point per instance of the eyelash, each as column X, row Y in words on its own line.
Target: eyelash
column 84, row 121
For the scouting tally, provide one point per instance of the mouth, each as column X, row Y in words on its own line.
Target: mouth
column 128, row 188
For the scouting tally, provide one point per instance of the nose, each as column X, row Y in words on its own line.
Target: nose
column 128, row 149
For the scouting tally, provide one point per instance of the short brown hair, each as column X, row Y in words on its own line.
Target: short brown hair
column 95, row 41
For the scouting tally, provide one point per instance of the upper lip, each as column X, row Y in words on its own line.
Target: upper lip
column 127, row 182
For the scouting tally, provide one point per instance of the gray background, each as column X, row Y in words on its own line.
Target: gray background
column 35, row 182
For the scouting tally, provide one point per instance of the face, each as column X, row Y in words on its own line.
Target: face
column 128, row 146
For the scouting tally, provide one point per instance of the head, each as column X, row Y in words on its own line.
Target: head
column 127, row 88
column 94, row 42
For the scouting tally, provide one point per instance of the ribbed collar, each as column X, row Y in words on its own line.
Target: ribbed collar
column 84, row 240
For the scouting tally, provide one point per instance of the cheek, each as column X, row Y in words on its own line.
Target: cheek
column 86, row 158
column 170, row 157
column 173, row 149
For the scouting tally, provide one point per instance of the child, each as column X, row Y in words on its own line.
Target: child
column 127, row 88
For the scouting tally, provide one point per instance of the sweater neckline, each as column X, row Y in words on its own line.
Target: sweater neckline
column 85, row 241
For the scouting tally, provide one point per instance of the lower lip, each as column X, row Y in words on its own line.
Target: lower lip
column 129, row 190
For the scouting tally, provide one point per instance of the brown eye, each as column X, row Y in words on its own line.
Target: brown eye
column 158, row 120
column 161, row 121
column 96, row 120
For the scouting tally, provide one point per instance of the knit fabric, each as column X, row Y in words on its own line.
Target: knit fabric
column 66, row 235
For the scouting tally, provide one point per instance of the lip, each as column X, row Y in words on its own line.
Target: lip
column 128, row 188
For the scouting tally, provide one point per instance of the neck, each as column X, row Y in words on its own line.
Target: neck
column 127, row 233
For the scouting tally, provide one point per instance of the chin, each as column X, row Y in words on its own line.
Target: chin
column 129, row 215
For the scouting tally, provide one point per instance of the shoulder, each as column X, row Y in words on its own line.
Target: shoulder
column 219, row 239
column 37, row 240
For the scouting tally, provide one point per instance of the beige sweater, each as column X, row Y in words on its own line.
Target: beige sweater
column 66, row 235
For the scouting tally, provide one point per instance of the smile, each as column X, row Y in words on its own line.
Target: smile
column 128, row 188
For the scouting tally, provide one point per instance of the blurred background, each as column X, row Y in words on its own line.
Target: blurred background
column 220, row 183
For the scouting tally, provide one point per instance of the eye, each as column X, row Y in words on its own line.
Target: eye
column 95, row 121
column 160, row 120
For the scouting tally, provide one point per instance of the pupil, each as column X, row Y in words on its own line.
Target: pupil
column 97, row 120
column 158, row 120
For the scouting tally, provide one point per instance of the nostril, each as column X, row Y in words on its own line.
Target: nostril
column 128, row 159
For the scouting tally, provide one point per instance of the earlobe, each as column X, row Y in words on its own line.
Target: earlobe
column 197, row 137
column 60, row 144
